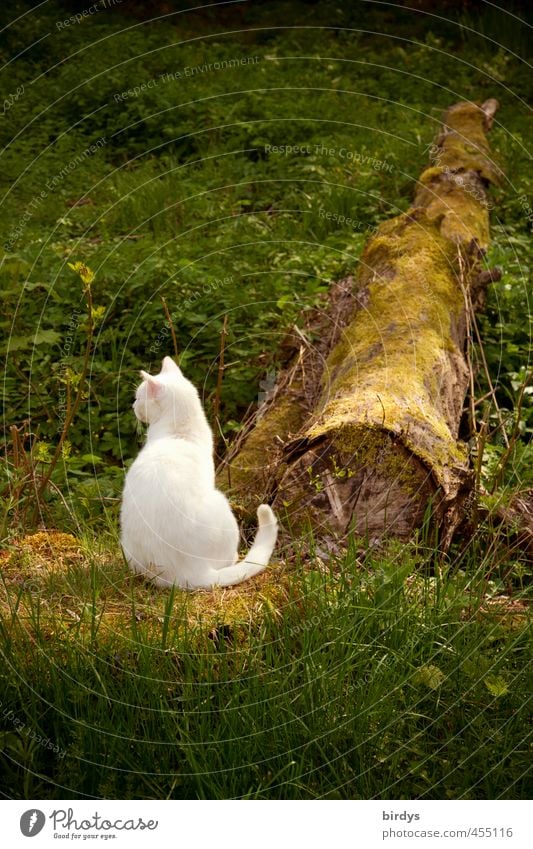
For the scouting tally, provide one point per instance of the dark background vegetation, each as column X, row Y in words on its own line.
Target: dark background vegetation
column 183, row 194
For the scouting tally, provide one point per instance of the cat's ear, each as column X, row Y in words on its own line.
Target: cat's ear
column 168, row 366
column 155, row 388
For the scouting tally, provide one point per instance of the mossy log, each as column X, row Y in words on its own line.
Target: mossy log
column 256, row 463
column 378, row 447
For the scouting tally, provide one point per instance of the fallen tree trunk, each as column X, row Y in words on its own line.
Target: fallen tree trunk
column 362, row 433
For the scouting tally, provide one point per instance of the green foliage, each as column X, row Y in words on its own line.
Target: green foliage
column 216, row 172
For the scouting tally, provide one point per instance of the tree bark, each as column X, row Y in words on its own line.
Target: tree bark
column 362, row 434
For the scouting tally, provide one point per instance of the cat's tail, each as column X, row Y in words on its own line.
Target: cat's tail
column 259, row 554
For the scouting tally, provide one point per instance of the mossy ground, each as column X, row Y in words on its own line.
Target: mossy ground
column 74, row 585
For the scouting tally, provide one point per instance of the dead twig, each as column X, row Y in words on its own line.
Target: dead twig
column 473, row 325
column 514, row 434
column 220, row 373
column 171, row 325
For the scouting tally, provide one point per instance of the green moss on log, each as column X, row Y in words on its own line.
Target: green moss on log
column 386, row 372
column 464, row 145
column 457, row 203
column 382, row 445
column 249, row 479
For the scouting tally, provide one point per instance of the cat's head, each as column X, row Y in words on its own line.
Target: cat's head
column 166, row 395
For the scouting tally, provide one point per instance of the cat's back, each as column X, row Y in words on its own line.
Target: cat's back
column 167, row 485
column 171, row 461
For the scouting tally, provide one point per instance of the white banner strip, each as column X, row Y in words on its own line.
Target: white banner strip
column 267, row 824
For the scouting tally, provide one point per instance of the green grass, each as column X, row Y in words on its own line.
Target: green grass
column 394, row 672
column 362, row 683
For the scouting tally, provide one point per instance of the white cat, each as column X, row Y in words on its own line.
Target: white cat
column 177, row 528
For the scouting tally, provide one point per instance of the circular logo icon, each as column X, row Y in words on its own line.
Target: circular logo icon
column 32, row 822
